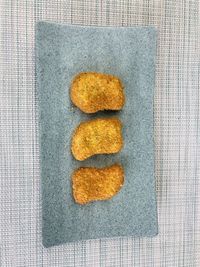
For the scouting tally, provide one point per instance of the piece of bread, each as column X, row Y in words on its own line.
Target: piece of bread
column 98, row 136
column 92, row 92
column 91, row 184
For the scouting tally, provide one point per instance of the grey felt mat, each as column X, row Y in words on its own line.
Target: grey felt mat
column 61, row 52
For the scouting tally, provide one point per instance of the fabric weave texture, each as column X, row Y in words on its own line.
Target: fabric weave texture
column 177, row 134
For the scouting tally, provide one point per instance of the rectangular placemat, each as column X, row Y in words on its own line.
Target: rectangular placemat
column 62, row 52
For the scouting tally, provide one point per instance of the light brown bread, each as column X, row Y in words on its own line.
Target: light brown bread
column 91, row 184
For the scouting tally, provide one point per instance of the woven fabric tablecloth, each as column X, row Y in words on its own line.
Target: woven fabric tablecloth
column 177, row 134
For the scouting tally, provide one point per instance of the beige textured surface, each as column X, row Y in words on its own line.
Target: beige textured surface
column 177, row 135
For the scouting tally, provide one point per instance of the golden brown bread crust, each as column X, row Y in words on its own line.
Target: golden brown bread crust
column 98, row 136
column 92, row 92
column 92, row 184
